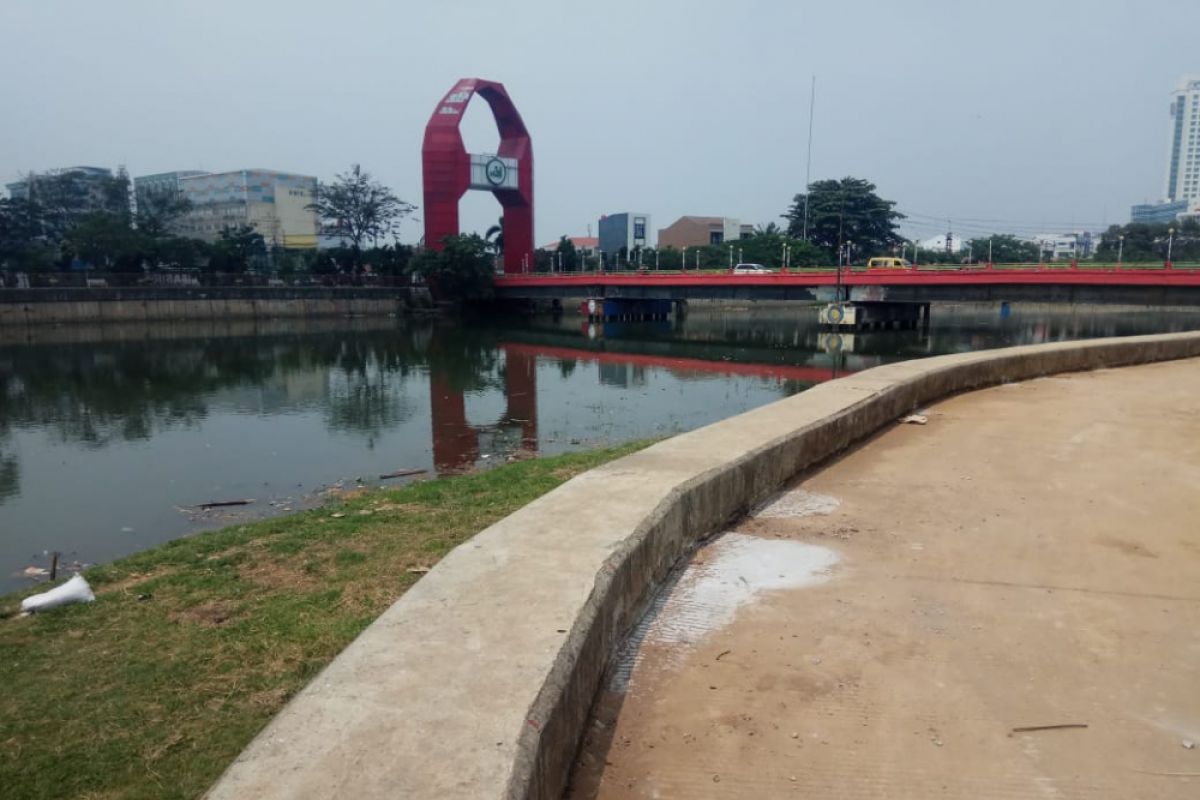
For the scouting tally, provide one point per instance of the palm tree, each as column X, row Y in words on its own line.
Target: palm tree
column 495, row 236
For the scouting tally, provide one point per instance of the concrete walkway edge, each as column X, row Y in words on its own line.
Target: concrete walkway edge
column 478, row 681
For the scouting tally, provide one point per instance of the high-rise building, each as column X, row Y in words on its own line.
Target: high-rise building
column 275, row 203
column 89, row 188
column 1183, row 154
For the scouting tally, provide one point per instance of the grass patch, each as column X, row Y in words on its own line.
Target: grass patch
column 191, row 647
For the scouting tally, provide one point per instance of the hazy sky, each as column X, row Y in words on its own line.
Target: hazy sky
column 1018, row 116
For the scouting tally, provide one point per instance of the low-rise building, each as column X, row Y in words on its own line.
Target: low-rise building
column 276, row 204
column 585, row 245
column 626, row 230
column 1158, row 213
column 692, row 231
column 162, row 183
column 1065, row 246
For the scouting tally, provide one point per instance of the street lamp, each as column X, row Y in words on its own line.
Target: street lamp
column 1170, row 242
column 1120, row 247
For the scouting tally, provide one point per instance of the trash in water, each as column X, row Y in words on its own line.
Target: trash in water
column 401, row 473
column 915, row 419
column 75, row 590
column 34, row 572
column 223, row 503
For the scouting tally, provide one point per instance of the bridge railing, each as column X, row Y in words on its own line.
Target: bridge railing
column 1046, row 266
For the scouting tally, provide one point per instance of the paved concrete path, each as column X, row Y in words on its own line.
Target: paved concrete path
column 1029, row 557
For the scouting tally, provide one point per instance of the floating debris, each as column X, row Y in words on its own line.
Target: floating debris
column 401, row 473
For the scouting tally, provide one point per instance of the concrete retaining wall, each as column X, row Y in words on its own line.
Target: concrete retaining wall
column 478, row 681
column 56, row 306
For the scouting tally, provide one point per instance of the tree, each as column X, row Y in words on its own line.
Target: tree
column 495, row 236
column 461, row 270
column 566, row 256
column 1148, row 242
column 158, row 210
column 357, row 208
column 105, row 239
column 1005, row 249
column 845, row 211
column 238, row 248
column 21, row 243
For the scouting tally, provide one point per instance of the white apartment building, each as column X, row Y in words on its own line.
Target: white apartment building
column 1183, row 152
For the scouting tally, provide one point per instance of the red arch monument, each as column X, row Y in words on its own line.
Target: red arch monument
column 449, row 171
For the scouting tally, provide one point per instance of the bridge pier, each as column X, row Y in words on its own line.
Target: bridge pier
column 623, row 309
column 864, row 315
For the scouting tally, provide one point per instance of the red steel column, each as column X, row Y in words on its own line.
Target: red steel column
column 447, row 170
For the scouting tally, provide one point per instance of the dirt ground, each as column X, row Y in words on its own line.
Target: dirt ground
column 1030, row 557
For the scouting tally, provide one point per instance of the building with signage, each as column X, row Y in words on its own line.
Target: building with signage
column 275, row 203
column 628, row 229
column 700, row 231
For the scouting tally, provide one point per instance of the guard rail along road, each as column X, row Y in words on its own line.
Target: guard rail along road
column 478, row 681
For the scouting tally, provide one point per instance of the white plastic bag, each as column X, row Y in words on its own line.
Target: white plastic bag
column 75, row 590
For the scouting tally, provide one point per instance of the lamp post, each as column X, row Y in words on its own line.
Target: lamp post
column 683, row 260
column 1120, row 247
column 1170, row 242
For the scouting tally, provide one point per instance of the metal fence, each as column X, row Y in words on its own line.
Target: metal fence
column 13, row 279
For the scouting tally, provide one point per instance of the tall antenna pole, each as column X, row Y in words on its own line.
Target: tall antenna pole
column 812, row 102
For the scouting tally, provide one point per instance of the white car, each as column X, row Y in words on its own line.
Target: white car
column 751, row 269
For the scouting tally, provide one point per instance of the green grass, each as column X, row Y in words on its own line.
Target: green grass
column 191, row 647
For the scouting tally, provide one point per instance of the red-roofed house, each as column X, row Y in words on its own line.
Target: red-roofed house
column 584, row 244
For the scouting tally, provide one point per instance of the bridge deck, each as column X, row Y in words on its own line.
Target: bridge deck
column 1103, row 276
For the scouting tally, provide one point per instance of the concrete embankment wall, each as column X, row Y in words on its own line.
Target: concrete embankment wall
column 57, row 306
column 477, row 682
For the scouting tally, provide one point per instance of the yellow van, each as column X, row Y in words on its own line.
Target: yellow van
column 888, row 263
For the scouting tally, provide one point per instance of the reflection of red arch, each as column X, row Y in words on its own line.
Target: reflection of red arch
column 447, row 170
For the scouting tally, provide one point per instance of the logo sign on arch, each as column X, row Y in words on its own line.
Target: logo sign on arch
column 490, row 172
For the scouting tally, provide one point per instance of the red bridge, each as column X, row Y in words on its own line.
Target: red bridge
column 1165, row 285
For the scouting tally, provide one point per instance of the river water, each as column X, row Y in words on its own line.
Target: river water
column 110, row 436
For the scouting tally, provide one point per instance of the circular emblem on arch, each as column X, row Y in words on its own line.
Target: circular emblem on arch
column 496, row 172
column 836, row 314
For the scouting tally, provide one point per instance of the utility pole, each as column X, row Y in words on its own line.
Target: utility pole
column 812, row 104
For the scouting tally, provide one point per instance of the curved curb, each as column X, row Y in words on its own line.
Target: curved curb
column 478, row 681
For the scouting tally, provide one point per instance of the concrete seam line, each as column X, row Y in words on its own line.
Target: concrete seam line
column 551, row 684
